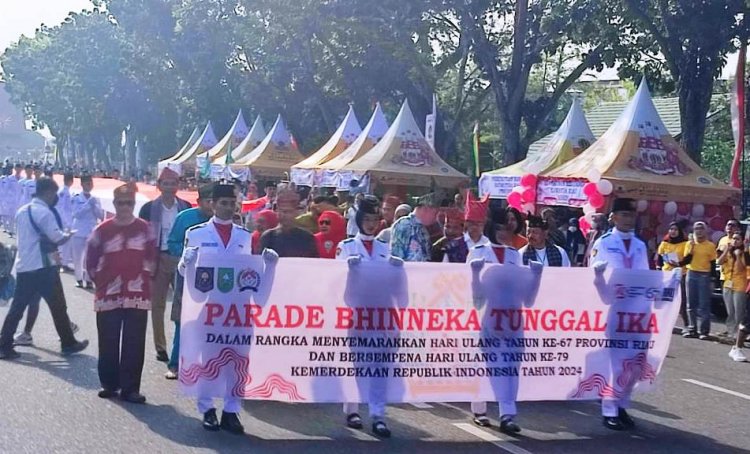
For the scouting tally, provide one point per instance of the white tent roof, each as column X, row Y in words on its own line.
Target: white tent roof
column 252, row 139
column 371, row 135
column 231, row 139
column 204, row 143
column 347, row 132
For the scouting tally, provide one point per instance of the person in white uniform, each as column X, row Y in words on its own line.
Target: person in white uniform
column 220, row 236
column 619, row 249
column 13, row 187
column 87, row 212
column 65, row 208
column 365, row 247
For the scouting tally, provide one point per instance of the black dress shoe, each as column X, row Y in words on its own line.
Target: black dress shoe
column 89, row 285
column 134, row 398
column 380, row 429
column 612, row 423
column 354, row 421
column 481, row 420
column 625, row 419
column 75, row 348
column 9, row 354
column 107, row 393
column 210, row 422
column 79, row 284
column 162, row 356
column 509, row 426
column 231, row 423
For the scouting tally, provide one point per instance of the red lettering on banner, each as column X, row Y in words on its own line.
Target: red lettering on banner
column 213, row 310
column 252, row 314
column 635, row 322
column 433, row 320
column 344, row 318
column 314, row 317
column 233, row 317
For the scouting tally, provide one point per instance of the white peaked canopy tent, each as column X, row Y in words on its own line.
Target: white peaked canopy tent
column 237, row 132
column 330, row 174
column 571, row 138
column 188, row 143
column 187, row 162
column 273, row 157
column 252, row 139
column 404, row 158
column 304, row 172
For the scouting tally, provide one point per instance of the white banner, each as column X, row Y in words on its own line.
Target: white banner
column 497, row 186
column 307, row 330
column 560, row 192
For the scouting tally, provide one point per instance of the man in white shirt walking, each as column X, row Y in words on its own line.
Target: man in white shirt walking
column 65, row 208
column 39, row 234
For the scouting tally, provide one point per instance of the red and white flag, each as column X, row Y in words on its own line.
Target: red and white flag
column 737, row 107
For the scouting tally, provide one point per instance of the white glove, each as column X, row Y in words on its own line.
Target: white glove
column 396, row 261
column 600, row 267
column 477, row 265
column 536, row 267
column 677, row 274
column 353, row 261
column 270, row 256
column 189, row 255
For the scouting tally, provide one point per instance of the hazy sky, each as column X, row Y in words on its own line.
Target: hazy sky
column 22, row 17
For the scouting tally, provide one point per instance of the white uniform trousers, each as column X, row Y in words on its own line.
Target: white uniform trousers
column 78, row 251
column 231, row 404
column 507, row 408
column 377, row 409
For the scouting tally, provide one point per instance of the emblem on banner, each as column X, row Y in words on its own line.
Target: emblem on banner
column 225, row 280
column 204, row 279
column 248, row 279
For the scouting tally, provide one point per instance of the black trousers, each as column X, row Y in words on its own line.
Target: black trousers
column 31, row 285
column 121, row 363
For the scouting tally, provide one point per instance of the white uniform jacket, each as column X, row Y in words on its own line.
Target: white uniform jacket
column 207, row 240
column 485, row 251
column 351, row 247
column 86, row 214
column 611, row 249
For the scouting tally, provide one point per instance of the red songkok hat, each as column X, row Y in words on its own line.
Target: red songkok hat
column 453, row 215
column 476, row 210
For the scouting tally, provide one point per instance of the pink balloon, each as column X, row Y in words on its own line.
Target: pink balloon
column 584, row 225
column 656, row 207
column 711, row 211
column 515, row 199
column 683, row 208
column 596, row 200
column 590, row 188
column 528, row 195
column 528, row 180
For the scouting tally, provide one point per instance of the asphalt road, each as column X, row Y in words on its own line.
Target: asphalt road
column 49, row 404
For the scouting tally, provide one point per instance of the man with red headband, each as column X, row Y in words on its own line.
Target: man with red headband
column 161, row 214
column 265, row 220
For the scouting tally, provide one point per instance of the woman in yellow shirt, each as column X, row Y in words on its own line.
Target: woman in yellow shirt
column 670, row 253
column 734, row 260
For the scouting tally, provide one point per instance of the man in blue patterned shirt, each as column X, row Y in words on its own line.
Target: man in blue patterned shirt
column 410, row 240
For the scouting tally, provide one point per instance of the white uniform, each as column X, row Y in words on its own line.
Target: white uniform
column 381, row 252
column 13, row 188
column 65, row 209
column 486, row 252
column 28, row 188
column 610, row 248
column 87, row 212
column 206, row 238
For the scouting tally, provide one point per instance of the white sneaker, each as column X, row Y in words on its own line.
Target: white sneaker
column 23, row 339
column 737, row 355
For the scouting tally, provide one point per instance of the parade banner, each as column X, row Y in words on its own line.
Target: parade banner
column 561, row 191
column 306, row 330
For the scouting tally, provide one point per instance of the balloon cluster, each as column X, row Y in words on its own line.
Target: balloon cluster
column 663, row 213
column 595, row 191
column 523, row 197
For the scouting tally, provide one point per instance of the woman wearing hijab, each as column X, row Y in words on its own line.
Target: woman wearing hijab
column 331, row 231
column 266, row 219
column 670, row 253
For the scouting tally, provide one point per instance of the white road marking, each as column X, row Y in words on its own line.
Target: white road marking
column 491, row 438
column 421, row 405
column 717, row 388
column 579, row 412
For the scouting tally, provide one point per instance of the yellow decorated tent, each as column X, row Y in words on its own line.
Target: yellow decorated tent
column 330, row 174
column 188, row 143
column 304, row 172
column 641, row 160
column 404, row 158
column 274, row 156
column 571, row 139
